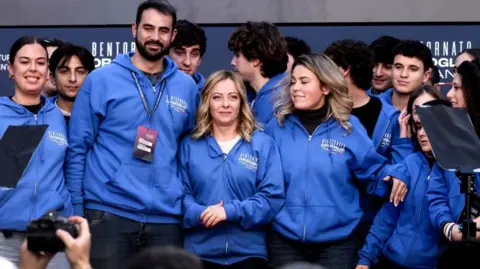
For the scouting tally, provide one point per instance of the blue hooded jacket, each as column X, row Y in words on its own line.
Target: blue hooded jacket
column 42, row 185
column 387, row 141
column 444, row 196
column 404, row 234
column 102, row 172
column 369, row 91
column 263, row 105
column 387, row 96
column 199, row 80
column 322, row 201
column 249, row 181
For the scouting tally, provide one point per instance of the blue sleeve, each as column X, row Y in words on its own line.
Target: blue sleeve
column 192, row 110
column 269, row 129
column 382, row 229
column 261, row 208
column 400, row 147
column 83, row 127
column 437, row 196
column 191, row 209
column 371, row 166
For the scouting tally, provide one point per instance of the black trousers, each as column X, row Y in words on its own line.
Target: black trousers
column 115, row 239
column 251, row 263
column 385, row 263
column 333, row 255
column 460, row 255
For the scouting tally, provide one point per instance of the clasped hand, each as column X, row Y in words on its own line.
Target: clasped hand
column 213, row 215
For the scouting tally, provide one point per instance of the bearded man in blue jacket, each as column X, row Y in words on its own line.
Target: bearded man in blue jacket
column 125, row 126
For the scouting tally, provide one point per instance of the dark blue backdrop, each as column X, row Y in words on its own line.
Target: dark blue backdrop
column 105, row 43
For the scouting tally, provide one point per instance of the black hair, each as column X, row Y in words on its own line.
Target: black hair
column 435, row 76
column 470, row 76
column 415, row 49
column 161, row 6
column 63, row 54
column 474, row 52
column 262, row 41
column 356, row 55
column 165, row 258
column 297, row 47
column 383, row 47
column 190, row 34
column 22, row 41
column 52, row 42
column 423, row 89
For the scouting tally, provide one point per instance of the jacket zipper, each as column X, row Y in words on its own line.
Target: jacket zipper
column 225, row 190
column 306, row 181
column 35, row 116
column 407, row 261
column 423, row 199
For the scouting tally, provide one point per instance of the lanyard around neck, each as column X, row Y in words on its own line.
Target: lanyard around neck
column 144, row 99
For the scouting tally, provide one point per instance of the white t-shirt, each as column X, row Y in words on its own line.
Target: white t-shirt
column 227, row 145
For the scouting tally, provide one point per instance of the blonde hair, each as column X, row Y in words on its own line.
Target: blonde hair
column 246, row 120
column 327, row 72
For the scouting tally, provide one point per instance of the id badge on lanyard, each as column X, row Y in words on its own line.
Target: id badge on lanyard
column 146, row 138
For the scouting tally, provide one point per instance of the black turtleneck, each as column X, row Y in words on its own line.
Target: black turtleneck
column 32, row 108
column 311, row 119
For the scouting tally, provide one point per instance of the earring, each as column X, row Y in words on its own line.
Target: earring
column 11, row 76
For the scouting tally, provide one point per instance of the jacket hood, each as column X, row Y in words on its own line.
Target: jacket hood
column 125, row 61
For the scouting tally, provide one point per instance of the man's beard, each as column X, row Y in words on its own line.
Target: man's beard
column 148, row 55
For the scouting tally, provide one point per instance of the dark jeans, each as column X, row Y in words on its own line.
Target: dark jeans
column 251, row 263
column 460, row 255
column 333, row 255
column 115, row 239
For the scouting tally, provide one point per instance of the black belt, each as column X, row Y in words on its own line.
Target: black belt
column 9, row 234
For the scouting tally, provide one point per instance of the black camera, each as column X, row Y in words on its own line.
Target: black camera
column 41, row 235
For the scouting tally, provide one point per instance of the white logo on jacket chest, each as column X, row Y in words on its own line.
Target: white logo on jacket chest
column 249, row 161
column 176, row 103
column 386, row 140
column 58, row 138
column 332, row 146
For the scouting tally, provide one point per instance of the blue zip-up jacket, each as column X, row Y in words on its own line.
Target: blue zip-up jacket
column 386, row 135
column 444, row 196
column 263, row 105
column 387, row 141
column 369, row 91
column 322, row 200
column 102, row 173
column 404, row 234
column 387, row 96
column 249, row 181
column 199, row 80
column 42, row 185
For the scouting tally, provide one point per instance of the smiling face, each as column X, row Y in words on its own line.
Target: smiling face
column 29, row 69
column 306, row 91
column 382, row 76
column 224, row 103
column 153, row 35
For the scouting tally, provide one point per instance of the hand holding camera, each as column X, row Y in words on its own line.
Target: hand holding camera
column 51, row 234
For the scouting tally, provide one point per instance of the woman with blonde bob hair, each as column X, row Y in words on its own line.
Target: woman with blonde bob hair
column 323, row 149
column 233, row 179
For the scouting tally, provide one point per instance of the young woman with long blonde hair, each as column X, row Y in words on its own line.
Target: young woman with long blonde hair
column 322, row 148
